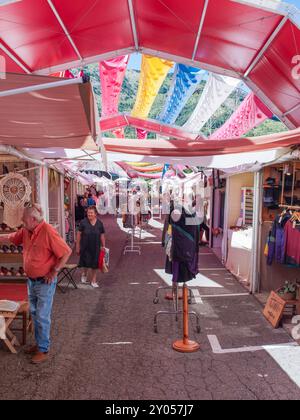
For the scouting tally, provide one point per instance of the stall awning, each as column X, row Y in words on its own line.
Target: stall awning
column 254, row 40
column 62, row 116
column 122, row 121
column 179, row 148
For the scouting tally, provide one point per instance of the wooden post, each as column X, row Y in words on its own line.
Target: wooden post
column 186, row 345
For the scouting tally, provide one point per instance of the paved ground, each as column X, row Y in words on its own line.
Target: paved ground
column 104, row 346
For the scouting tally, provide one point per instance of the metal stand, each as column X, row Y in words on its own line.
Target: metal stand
column 186, row 345
column 176, row 311
column 135, row 249
column 170, row 296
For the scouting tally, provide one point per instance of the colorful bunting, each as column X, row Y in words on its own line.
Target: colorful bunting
column 153, row 73
column 184, row 83
column 112, row 73
column 216, row 91
column 251, row 113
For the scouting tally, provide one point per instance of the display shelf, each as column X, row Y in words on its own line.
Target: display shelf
column 10, row 258
column 13, row 279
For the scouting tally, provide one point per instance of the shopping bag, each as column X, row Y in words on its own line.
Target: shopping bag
column 101, row 259
column 104, row 260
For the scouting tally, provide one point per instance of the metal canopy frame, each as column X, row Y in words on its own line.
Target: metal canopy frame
column 289, row 13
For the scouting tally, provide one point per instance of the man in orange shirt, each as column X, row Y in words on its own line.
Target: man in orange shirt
column 45, row 254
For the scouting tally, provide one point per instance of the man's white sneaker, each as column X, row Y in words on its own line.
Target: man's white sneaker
column 95, row 285
column 83, row 279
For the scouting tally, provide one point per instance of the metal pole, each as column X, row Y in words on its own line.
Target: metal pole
column 43, row 86
column 256, row 246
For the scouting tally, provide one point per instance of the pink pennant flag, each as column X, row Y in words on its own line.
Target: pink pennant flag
column 112, row 73
column 251, row 113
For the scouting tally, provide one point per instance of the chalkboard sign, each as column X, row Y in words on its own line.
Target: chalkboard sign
column 274, row 309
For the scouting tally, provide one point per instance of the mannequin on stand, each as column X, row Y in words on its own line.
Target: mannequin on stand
column 181, row 239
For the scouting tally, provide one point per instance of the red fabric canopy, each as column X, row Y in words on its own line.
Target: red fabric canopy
column 61, row 116
column 121, row 121
column 203, row 148
column 251, row 39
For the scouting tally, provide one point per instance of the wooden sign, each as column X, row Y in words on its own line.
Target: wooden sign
column 274, row 309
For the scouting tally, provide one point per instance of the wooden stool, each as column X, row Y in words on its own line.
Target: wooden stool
column 11, row 340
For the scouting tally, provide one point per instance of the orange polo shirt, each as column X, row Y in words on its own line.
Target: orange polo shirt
column 42, row 249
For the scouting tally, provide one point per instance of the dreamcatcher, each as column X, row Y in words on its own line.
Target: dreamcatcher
column 15, row 191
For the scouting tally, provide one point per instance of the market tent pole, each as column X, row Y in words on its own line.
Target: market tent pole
column 256, row 240
column 43, row 86
column 43, row 190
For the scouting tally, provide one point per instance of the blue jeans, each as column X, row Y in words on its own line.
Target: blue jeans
column 41, row 297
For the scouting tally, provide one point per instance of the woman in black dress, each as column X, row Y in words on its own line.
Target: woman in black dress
column 90, row 240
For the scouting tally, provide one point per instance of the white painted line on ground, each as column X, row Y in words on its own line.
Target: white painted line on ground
column 125, row 343
column 153, row 283
column 134, row 284
column 217, row 349
column 156, row 224
column 151, row 243
column 199, row 281
column 197, row 296
column 225, row 295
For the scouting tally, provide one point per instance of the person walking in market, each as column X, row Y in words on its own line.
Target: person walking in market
column 90, row 241
column 45, row 253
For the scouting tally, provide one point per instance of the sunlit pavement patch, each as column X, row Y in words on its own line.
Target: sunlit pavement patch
column 288, row 358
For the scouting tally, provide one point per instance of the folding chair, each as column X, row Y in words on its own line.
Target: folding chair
column 67, row 273
column 11, row 340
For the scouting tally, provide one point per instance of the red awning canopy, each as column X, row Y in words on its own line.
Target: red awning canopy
column 256, row 40
column 180, row 148
column 52, row 116
column 122, row 121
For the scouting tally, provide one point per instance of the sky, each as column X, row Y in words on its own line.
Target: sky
column 135, row 59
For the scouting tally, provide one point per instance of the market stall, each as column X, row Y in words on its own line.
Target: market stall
column 19, row 185
column 238, row 233
column 280, row 234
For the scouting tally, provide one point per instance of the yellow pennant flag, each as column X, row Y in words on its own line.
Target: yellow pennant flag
column 153, row 73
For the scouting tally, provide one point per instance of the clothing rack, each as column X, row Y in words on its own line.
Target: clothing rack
column 289, row 207
column 176, row 312
column 132, row 248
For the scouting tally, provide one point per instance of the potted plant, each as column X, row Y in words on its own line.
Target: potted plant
column 288, row 291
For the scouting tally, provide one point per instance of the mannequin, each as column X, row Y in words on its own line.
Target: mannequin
column 182, row 261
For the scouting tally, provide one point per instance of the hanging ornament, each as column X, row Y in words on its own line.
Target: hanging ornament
column 15, row 192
